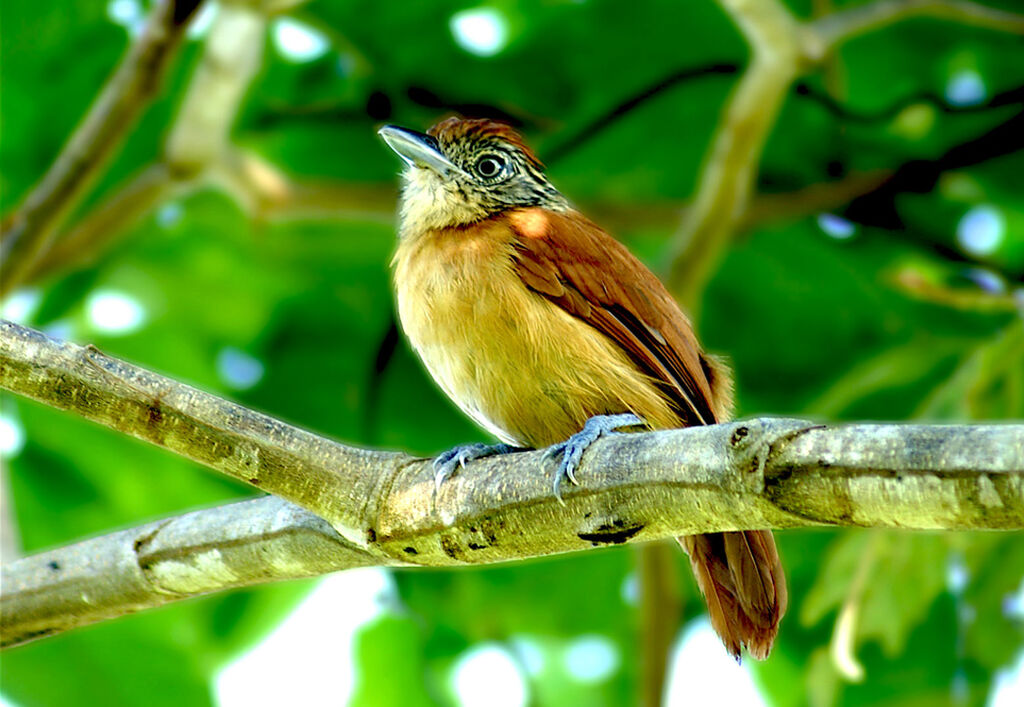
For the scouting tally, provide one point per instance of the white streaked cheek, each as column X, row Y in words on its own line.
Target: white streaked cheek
column 429, row 203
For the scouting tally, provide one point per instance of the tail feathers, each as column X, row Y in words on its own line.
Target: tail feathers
column 741, row 578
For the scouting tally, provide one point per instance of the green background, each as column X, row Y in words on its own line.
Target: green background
column 815, row 326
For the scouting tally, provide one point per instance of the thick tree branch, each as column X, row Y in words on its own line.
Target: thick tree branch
column 749, row 474
column 332, row 480
column 27, row 233
column 245, row 543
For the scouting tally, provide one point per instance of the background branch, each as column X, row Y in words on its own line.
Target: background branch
column 27, row 233
column 748, row 474
column 197, row 149
column 838, row 27
column 782, row 48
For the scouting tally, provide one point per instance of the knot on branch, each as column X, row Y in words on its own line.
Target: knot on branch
column 753, row 442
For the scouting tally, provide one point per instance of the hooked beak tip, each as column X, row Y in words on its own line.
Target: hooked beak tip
column 417, row 149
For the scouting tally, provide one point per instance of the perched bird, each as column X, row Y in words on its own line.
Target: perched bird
column 546, row 331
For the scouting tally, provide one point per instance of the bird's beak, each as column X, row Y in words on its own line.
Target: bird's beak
column 417, row 150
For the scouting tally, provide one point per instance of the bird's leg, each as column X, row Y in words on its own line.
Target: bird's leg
column 572, row 449
column 447, row 463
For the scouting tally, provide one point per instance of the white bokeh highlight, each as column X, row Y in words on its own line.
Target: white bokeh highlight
column 298, row 42
column 482, row 31
column 114, row 312
column 21, row 305
column 12, row 435
column 1008, row 685
column 487, row 675
column 530, row 654
column 630, row 591
column 702, row 673
column 128, row 14
column 308, row 659
column 200, row 25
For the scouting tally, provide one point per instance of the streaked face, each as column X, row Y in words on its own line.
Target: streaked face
column 464, row 171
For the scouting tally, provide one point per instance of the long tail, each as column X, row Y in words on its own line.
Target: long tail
column 741, row 578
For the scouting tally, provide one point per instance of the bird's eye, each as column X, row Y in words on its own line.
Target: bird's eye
column 489, row 166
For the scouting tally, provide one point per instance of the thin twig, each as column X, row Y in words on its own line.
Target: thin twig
column 842, row 646
column 843, row 25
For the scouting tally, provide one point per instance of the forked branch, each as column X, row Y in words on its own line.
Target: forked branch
column 382, row 508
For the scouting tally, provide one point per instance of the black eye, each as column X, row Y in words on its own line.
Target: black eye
column 489, row 166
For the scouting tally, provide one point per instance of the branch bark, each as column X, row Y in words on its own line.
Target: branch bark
column 240, row 544
column 384, row 510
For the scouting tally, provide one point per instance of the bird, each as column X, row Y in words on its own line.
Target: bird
column 547, row 332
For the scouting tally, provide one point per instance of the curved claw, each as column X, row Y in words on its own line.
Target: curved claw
column 447, row 463
column 572, row 449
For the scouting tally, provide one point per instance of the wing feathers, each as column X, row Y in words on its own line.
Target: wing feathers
column 579, row 267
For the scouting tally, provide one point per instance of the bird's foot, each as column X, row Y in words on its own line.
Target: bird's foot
column 572, row 449
column 447, row 463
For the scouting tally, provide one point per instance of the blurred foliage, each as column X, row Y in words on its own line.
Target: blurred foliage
column 815, row 326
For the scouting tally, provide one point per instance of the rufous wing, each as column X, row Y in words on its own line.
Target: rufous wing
column 579, row 267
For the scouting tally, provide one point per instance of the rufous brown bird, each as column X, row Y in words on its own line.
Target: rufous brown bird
column 547, row 331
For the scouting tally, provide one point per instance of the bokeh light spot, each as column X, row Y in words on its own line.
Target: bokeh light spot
column 169, row 215
column 315, row 642
column 20, row 305
column 127, row 14
column 591, row 659
column 530, row 654
column 836, row 226
column 200, row 25
column 482, row 31
column 12, row 436
column 981, row 230
column 965, row 88
column 702, row 673
column 298, row 42
column 114, row 312
column 986, row 280
column 1008, row 685
column 487, row 676
column 630, row 591
column 238, row 369
column 957, row 574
